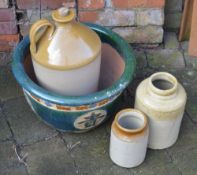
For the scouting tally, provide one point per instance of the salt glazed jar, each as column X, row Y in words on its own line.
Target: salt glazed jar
column 66, row 56
column 129, row 138
column 163, row 100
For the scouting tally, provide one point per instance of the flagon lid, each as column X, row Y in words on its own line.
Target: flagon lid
column 66, row 45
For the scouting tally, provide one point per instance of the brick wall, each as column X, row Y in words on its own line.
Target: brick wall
column 138, row 21
column 8, row 26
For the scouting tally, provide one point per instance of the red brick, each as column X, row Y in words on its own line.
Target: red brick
column 54, row 4
column 8, row 42
column 5, row 48
column 45, row 4
column 7, row 14
column 4, row 3
column 28, row 4
column 138, row 3
column 9, row 38
column 88, row 16
column 8, row 28
column 91, row 4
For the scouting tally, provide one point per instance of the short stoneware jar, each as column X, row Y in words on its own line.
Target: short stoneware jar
column 129, row 138
column 66, row 54
column 162, row 98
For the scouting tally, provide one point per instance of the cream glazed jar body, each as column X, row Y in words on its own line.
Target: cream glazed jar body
column 163, row 100
column 129, row 138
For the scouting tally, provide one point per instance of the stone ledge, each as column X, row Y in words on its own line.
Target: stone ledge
column 128, row 17
column 165, row 58
column 109, row 17
column 147, row 34
column 171, row 40
column 150, row 17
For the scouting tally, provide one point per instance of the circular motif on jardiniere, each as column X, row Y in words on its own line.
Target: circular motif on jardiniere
column 90, row 119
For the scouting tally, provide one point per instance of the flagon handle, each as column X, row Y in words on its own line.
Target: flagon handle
column 35, row 32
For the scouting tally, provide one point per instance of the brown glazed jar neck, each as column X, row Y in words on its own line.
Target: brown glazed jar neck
column 64, row 25
column 163, row 93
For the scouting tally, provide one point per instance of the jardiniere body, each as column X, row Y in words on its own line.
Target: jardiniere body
column 79, row 113
column 162, row 98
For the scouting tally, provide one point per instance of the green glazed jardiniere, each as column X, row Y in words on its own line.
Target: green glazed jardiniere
column 74, row 113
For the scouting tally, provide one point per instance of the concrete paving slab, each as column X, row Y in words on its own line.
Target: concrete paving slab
column 49, row 158
column 27, row 127
column 8, row 86
column 5, row 133
column 165, row 58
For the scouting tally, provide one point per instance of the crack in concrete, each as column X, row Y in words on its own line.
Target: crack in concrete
column 6, row 140
column 184, row 59
column 40, row 140
column 77, row 170
column 146, row 57
column 170, row 156
column 173, row 160
column 12, row 99
column 17, row 147
column 181, row 173
column 9, row 126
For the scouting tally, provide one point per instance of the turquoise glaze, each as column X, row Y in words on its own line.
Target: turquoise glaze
column 69, row 113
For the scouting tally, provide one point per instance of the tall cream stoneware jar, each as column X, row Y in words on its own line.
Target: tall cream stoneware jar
column 129, row 138
column 163, row 100
column 66, row 55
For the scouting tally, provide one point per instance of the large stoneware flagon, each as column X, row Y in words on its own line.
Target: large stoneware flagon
column 78, row 113
column 66, row 55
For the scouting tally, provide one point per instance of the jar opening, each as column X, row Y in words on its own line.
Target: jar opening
column 163, row 83
column 131, row 120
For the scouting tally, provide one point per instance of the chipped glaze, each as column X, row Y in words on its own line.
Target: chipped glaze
column 129, row 138
column 164, row 104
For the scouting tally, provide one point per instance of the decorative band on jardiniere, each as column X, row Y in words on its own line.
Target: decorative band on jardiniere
column 77, row 121
column 87, row 107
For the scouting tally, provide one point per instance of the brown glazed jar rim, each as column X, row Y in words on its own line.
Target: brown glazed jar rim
column 131, row 131
column 163, row 76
